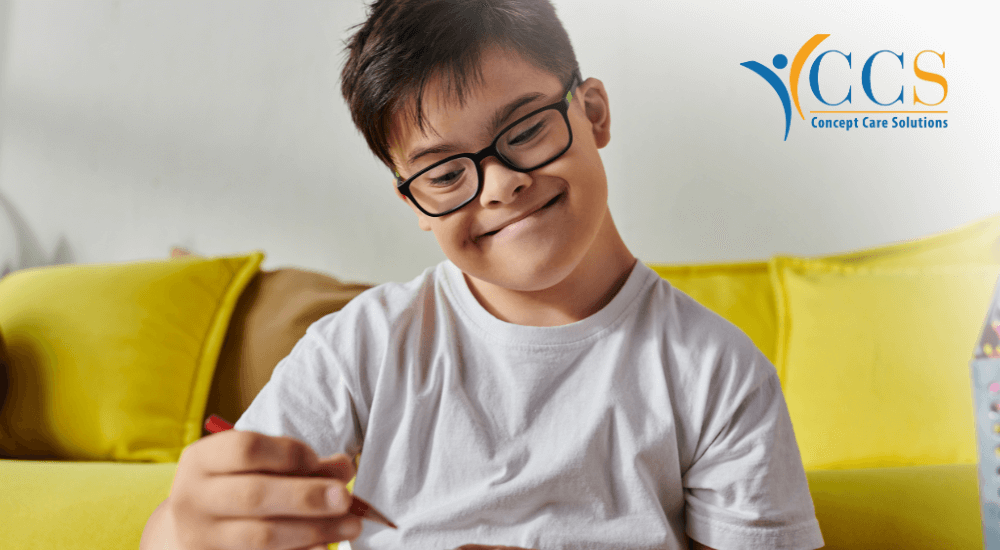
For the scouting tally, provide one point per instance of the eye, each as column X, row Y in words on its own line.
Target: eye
column 527, row 134
column 445, row 180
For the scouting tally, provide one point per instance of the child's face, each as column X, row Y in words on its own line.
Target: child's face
column 547, row 242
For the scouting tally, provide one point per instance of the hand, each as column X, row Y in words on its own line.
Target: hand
column 240, row 489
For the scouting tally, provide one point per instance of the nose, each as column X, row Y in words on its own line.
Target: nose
column 501, row 185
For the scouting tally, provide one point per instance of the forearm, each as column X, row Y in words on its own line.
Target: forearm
column 159, row 530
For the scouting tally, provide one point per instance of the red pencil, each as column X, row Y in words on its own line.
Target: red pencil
column 359, row 507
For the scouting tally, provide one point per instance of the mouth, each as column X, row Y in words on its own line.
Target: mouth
column 545, row 206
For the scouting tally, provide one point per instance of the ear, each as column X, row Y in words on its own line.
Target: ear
column 423, row 221
column 595, row 104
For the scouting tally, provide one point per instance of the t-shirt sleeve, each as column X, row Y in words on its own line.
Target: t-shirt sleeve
column 310, row 396
column 746, row 487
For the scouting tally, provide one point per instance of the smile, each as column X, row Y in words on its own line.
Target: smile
column 518, row 222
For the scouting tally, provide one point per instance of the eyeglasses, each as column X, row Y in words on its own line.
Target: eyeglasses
column 527, row 144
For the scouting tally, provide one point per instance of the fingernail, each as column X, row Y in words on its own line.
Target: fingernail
column 335, row 497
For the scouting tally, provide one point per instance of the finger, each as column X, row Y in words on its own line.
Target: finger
column 235, row 451
column 283, row 533
column 338, row 466
column 263, row 495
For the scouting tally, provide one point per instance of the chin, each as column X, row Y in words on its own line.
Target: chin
column 529, row 278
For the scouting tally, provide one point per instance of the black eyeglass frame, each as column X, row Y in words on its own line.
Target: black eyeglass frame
column 491, row 151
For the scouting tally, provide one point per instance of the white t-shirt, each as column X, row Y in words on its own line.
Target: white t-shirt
column 650, row 420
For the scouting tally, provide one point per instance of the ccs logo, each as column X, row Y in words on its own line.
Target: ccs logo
column 790, row 95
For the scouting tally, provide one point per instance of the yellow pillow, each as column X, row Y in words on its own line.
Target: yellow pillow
column 975, row 242
column 742, row 292
column 874, row 362
column 739, row 292
column 114, row 362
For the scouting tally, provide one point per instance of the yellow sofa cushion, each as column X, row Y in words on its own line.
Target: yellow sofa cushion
column 62, row 504
column 115, row 361
column 874, row 362
column 916, row 508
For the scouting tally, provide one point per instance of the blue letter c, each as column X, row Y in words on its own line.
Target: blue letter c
column 814, row 78
column 866, row 78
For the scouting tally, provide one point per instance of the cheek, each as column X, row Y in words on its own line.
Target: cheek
column 587, row 179
column 452, row 234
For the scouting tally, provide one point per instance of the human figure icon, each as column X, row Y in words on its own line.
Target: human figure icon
column 779, row 62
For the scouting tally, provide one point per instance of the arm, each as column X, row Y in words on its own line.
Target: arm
column 746, row 463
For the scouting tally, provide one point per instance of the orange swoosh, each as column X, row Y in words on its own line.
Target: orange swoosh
column 800, row 60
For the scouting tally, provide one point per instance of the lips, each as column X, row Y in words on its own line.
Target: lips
column 551, row 201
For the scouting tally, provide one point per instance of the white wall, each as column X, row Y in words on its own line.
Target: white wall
column 129, row 127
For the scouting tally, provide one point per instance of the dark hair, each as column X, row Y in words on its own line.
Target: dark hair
column 404, row 43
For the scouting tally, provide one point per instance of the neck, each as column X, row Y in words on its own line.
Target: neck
column 592, row 284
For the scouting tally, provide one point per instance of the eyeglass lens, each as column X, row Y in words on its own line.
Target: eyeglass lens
column 532, row 142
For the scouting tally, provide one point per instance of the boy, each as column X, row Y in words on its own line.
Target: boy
column 539, row 389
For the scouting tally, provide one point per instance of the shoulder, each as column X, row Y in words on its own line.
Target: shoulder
column 695, row 327
column 378, row 315
column 705, row 350
column 384, row 303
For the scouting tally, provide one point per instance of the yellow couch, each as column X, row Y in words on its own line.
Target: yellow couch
column 115, row 367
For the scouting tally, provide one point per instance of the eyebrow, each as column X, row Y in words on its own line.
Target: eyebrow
column 499, row 117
